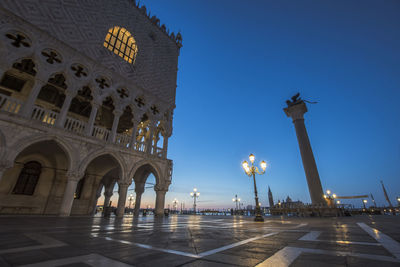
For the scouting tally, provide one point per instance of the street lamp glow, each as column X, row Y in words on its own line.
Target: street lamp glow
column 334, row 195
column 338, row 202
column 365, row 201
column 252, row 158
column 328, row 192
column 325, row 196
column 245, row 165
column 263, row 165
column 194, row 195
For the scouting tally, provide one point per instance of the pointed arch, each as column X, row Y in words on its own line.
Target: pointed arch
column 151, row 168
column 101, row 152
column 20, row 145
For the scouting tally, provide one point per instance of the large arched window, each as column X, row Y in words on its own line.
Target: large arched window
column 28, row 178
column 121, row 42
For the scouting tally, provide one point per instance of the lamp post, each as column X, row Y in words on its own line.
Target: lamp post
column 398, row 201
column 237, row 200
column 365, row 202
column 130, row 200
column 175, row 204
column 251, row 171
column 194, row 195
column 330, row 198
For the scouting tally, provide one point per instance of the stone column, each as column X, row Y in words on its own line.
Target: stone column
column 68, row 198
column 139, row 189
column 149, row 141
column 92, row 118
column 107, row 196
column 122, row 191
column 155, row 141
column 26, row 110
column 160, row 201
column 165, row 146
column 132, row 141
column 117, row 115
column 64, row 109
column 95, row 196
column 296, row 112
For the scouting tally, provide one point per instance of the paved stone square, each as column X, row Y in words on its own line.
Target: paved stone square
column 199, row 241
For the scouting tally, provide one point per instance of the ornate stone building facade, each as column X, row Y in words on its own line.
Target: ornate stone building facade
column 87, row 93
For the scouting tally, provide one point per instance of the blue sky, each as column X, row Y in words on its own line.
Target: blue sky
column 241, row 60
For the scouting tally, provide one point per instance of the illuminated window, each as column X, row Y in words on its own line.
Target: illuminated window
column 121, row 42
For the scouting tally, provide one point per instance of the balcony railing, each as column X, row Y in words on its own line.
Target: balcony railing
column 48, row 117
column 101, row 133
column 74, row 125
column 140, row 146
column 43, row 115
column 9, row 104
column 123, row 140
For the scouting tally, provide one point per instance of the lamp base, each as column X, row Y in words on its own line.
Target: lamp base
column 258, row 218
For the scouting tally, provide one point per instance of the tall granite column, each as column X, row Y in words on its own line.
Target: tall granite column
column 296, row 110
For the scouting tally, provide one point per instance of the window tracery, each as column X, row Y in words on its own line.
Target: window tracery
column 51, row 56
column 121, row 42
column 28, row 178
column 18, row 40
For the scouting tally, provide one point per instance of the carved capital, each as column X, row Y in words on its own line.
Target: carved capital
column 74, row 176
column 296, row 112
column 161, row 187
column 118, row 112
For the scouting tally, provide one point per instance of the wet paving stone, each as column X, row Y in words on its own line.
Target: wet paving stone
column 199, row 241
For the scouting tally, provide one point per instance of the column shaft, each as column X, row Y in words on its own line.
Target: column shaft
column 160, row 202
column 137, row 202
column 92, row 118
column 114, row 128
column 68, row 198
column 107, row 197
column 132, row 141
column 165, row 146
column 64, row 110
column 30, row 102
column 310, row 167
column 122, row 191
column 150, row 139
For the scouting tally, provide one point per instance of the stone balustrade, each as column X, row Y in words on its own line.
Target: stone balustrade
column 48, row 117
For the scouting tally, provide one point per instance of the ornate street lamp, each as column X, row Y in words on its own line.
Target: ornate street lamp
column 130, row 200
column 365, row 202
column 237, row 200
column 194, row 195
column 330, row 198
column 251, row 171
column 175, row 204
